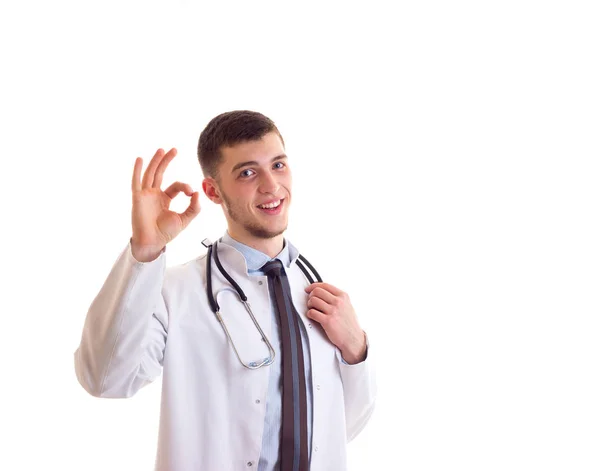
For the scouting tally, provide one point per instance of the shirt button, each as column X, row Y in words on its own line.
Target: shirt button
column 310, row 326
column 318, row 386
column 316, row 448
column 260, row 282
column 249, row 463
column 257, row 401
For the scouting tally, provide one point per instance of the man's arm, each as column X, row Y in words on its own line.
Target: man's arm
column 331, row 307
column 125, row 330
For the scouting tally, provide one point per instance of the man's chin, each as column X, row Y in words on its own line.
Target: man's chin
column 266, row 232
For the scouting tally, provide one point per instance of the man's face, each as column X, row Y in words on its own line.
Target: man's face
column 255, row 187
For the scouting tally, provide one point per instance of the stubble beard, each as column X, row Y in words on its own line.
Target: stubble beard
column 253, row 229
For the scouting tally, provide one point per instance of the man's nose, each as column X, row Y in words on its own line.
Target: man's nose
column 268, row 183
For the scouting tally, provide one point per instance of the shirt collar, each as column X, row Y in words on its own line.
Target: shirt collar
column 255, row 259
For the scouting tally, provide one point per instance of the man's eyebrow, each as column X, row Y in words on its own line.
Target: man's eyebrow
column 254, row 162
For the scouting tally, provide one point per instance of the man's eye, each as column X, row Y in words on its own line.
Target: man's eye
column 246, row 173
column 279, row 165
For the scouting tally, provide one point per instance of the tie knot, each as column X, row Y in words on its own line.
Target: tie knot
column 273, row 268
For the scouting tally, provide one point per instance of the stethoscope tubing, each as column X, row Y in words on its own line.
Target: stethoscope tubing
column 213, row 253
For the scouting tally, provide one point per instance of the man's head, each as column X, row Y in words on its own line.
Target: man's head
column 243, row 159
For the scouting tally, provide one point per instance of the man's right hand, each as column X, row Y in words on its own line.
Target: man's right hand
column 154, row 225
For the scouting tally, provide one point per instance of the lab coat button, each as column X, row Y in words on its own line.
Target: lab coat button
column 258, row 401
column 318, row 386
column 310, row 326
column 260, row 282
column 249, row 463
column 316, row 448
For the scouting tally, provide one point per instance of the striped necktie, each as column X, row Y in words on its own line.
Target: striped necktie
column 294, row 434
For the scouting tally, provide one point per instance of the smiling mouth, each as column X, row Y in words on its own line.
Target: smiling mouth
column 272, row 205
column 272, row 208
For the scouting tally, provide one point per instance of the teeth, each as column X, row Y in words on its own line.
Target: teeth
column 270, row 205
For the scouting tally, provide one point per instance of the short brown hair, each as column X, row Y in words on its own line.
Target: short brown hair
column 229, row 129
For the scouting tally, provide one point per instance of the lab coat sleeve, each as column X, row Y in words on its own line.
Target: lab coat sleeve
column 359, row 392
column 125, row 330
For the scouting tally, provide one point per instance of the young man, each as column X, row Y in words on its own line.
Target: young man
column 286, row 392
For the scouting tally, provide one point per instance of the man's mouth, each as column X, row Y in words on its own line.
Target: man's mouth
column 271, row 207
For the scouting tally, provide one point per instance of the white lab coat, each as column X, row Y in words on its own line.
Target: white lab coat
column 212, row 413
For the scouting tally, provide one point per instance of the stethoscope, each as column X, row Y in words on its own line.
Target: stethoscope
column 213, row 253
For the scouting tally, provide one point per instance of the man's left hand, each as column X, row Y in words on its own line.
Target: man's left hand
column 331, row 307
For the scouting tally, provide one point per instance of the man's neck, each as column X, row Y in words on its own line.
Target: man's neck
column 270, row 247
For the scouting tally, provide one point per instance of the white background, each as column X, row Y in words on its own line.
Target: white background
column 445, row 159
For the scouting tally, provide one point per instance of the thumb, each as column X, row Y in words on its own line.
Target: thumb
column 192, row 210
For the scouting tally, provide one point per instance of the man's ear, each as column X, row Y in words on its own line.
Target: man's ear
column 211, row 190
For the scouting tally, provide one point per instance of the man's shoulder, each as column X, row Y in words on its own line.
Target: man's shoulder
column 181, row 272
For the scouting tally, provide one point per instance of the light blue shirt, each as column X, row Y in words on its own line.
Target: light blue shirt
column 269, row 455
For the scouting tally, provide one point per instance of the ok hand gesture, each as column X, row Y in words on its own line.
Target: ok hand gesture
column 153, row 224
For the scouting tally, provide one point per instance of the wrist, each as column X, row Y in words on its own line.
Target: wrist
column 357, row 351
column 144, row 254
